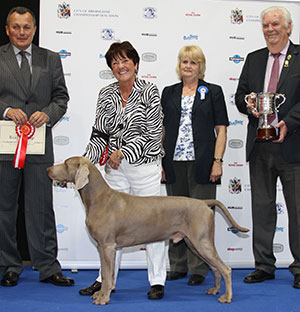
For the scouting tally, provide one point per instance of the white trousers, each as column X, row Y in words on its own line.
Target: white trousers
column 143, row 180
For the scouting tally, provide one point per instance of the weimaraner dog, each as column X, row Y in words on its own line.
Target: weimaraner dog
column 115, row 219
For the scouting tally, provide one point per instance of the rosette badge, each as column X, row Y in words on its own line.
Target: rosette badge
column 24, row 133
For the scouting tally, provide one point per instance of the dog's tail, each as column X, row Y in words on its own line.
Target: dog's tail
column 214, row 202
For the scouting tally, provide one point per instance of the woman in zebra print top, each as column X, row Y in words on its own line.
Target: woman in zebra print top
column 129, row 124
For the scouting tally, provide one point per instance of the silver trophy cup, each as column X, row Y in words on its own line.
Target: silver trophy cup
column 267, row 104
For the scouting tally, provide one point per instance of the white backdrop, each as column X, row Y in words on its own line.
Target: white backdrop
column 82, row 31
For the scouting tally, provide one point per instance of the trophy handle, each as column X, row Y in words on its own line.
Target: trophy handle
column 253, row 96
column 279, row 95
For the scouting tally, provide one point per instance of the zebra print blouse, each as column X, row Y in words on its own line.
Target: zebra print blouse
column 135, row 129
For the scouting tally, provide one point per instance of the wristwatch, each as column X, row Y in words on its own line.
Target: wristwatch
column 218, row 159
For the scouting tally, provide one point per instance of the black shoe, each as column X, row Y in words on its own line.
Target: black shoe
column 196, row 279
column 296, row 281
column 172, row 276
column 10, row 279
column 90, row 290
column 59, row 279
column 258, row 276
column 156, row 292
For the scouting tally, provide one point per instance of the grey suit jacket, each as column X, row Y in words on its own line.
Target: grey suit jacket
column 48, row 91
column 252, row 80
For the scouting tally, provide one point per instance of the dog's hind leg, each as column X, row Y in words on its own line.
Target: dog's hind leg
column 207, row 251
column 107, row 257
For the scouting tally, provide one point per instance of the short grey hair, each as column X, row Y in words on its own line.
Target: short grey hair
column 285, row 13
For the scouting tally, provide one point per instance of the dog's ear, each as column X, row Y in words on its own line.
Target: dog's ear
column 82, row 177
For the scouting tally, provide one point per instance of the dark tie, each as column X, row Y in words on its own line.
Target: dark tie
column 25, row 69
column 273, row 81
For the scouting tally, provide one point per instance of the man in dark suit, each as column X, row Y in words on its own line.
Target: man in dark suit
column 38, row 96
column 269, row 160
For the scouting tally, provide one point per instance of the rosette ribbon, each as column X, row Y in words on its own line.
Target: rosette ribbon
column 104, row 156
column 24, row 133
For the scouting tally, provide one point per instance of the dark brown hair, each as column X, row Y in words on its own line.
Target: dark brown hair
column 122, row 49
column 20, row 10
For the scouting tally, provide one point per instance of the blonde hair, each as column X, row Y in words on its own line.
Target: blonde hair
column 195, row 54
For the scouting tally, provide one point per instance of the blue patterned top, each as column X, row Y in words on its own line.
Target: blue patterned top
column 184, row 149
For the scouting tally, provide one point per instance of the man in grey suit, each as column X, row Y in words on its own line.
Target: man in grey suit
column 38, row 96
column 269, row 159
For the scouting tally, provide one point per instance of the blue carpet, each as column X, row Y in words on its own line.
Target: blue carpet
column 29, row 295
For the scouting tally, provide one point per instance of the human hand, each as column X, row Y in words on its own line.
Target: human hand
column 17, row 115
column 283, row 130
column 216, row 172
column 252, row 105
column 115, row 159
column 37, row 119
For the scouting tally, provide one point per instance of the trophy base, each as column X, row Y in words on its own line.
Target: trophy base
column 266, row 134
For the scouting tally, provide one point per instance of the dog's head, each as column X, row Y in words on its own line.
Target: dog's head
column 74, row 169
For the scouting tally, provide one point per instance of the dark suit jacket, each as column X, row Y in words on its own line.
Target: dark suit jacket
column 252, row 80
column 48, row 91
column 206, row 114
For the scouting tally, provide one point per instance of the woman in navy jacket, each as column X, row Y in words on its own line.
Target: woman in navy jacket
column 195, row 121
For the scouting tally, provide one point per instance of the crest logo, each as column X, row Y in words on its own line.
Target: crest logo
column 235, row 186
column 280, row 208
column 150, row 13
column 64, row 10
column 107, row 34
column 236, row 16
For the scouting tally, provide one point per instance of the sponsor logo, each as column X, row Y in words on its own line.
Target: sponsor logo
column 232, row 229
column 236, row 38
column 63, row 249
column 67, row 74
column 107, row 34
column 247, row 187
column 101, row 56
column 280, row 208
column 252, row 18
column 235, row 207
column 236, row 59
column 279, row 229
column 65, row 118
column 234, row 79
column 234, row 249
column 235, row 186
column 149, row 76
column 149, row 57
column 149, row 35
column 235, row 143
column 106, row 74
column 61, row 32
column 235, row 164
column 191, row 37
column 232, row 99
column 278, row 248
column 61, row 140
column 64, row 10
column 94, row 13
column 193, row 14
column 60, row 228
column 64, row 54
column 236, row 123
column 150, row 13
column 236, row 16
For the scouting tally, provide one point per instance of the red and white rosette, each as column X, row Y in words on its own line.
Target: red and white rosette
column 24, row 133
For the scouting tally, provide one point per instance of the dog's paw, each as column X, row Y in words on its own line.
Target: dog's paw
column 98, row 294
column 213, row 291
column 101, row 301
column 225, row 299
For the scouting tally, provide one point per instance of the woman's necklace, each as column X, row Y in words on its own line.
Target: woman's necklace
column 125, row 101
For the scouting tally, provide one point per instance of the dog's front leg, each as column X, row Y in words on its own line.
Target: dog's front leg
column 107, row 257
